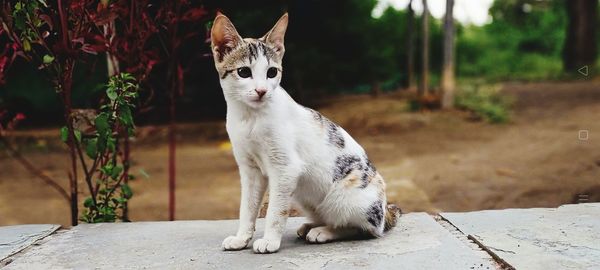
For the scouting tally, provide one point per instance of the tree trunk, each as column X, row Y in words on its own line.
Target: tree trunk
column 410, row 47
column 448, row 82
column 425, row 65
column 580, row 44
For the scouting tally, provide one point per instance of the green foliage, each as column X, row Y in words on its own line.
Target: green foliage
column 485, row 103
column 24, row 13
column 114, row 122
column 523, row 42
column 334, row 46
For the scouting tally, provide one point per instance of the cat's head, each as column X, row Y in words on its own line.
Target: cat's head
column 249, row 69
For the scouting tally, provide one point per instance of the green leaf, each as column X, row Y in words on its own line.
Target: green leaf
column 102, row 125
column 91, row 148
column 77, row 134
column 126, row 190
column 19, row 21
column 107, row 169
column 89, row 202
column 111, row 92
column 125, row 116
column 128, row 77
column 31, row 6
column 48, row 59
column 116, row 171
column 64, row 134
column 111, row 143
column 101, row 145
column 26, row 45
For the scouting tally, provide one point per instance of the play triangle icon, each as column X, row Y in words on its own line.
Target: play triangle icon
column 583, row 70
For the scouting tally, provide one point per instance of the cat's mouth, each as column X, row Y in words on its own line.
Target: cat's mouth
column 257, row 101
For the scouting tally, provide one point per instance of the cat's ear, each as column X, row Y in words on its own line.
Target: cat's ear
column 223, row 37
column 274, row 38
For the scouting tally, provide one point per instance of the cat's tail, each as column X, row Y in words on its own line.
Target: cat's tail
column 392, row 214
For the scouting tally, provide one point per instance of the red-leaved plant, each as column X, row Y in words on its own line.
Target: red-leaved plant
column 136, row 36
column 145, row 34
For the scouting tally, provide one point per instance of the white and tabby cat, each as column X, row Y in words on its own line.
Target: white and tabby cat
column 296, row 152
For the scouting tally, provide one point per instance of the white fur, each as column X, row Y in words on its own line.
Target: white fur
column 280, row 145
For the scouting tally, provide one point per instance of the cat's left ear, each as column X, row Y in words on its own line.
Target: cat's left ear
column 274, row 38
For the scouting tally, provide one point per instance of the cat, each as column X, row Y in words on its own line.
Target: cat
column 294, row 151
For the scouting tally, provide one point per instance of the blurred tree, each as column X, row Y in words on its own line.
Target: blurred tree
column 331, row 47
column 410, row 46
column 448, row 61
column 389, row 36
column 425, row 53
column 580, row 45
column 523, row 41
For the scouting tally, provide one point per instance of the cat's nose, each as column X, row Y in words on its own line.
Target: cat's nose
column 260, row 92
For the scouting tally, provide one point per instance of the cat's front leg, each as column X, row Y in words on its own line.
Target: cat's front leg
column 281, row 187
column 253, row 190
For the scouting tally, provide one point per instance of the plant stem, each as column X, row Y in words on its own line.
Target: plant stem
column 126, row 171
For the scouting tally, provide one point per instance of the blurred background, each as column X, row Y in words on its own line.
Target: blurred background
column 495, row 104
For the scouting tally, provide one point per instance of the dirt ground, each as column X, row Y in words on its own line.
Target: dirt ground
column 432, row 161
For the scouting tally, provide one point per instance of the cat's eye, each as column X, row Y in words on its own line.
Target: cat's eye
column 271, row 72
column 244, row 72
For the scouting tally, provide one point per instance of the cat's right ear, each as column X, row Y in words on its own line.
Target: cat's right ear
column 223, row 37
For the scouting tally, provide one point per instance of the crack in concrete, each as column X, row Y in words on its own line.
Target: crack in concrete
column 504, row 264
column 502, row 250
column 23, row 246
column 501, row 263
column 326, row 263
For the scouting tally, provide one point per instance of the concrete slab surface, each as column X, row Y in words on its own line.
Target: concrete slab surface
column 16, row 238
column 418, row 242
column 567, row 237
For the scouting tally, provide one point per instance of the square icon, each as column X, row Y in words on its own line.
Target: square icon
column 584, row 135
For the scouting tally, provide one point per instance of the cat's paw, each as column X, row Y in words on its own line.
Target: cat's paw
column 235, row 243
column 319, row 235
column 303, row 230
column 265, row 246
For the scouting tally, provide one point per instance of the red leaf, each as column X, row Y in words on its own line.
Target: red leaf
column 194, row 15
column 47, row 20
column 20, row 116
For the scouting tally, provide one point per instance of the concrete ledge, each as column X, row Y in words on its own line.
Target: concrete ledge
column 541, row 238
column 16, row 238
column 417, row 243
column 567, row 237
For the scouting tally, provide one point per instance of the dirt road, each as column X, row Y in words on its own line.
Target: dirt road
column 436, row 161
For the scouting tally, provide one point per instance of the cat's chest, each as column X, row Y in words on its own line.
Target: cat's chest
column 251, row 142
column 248, row 133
